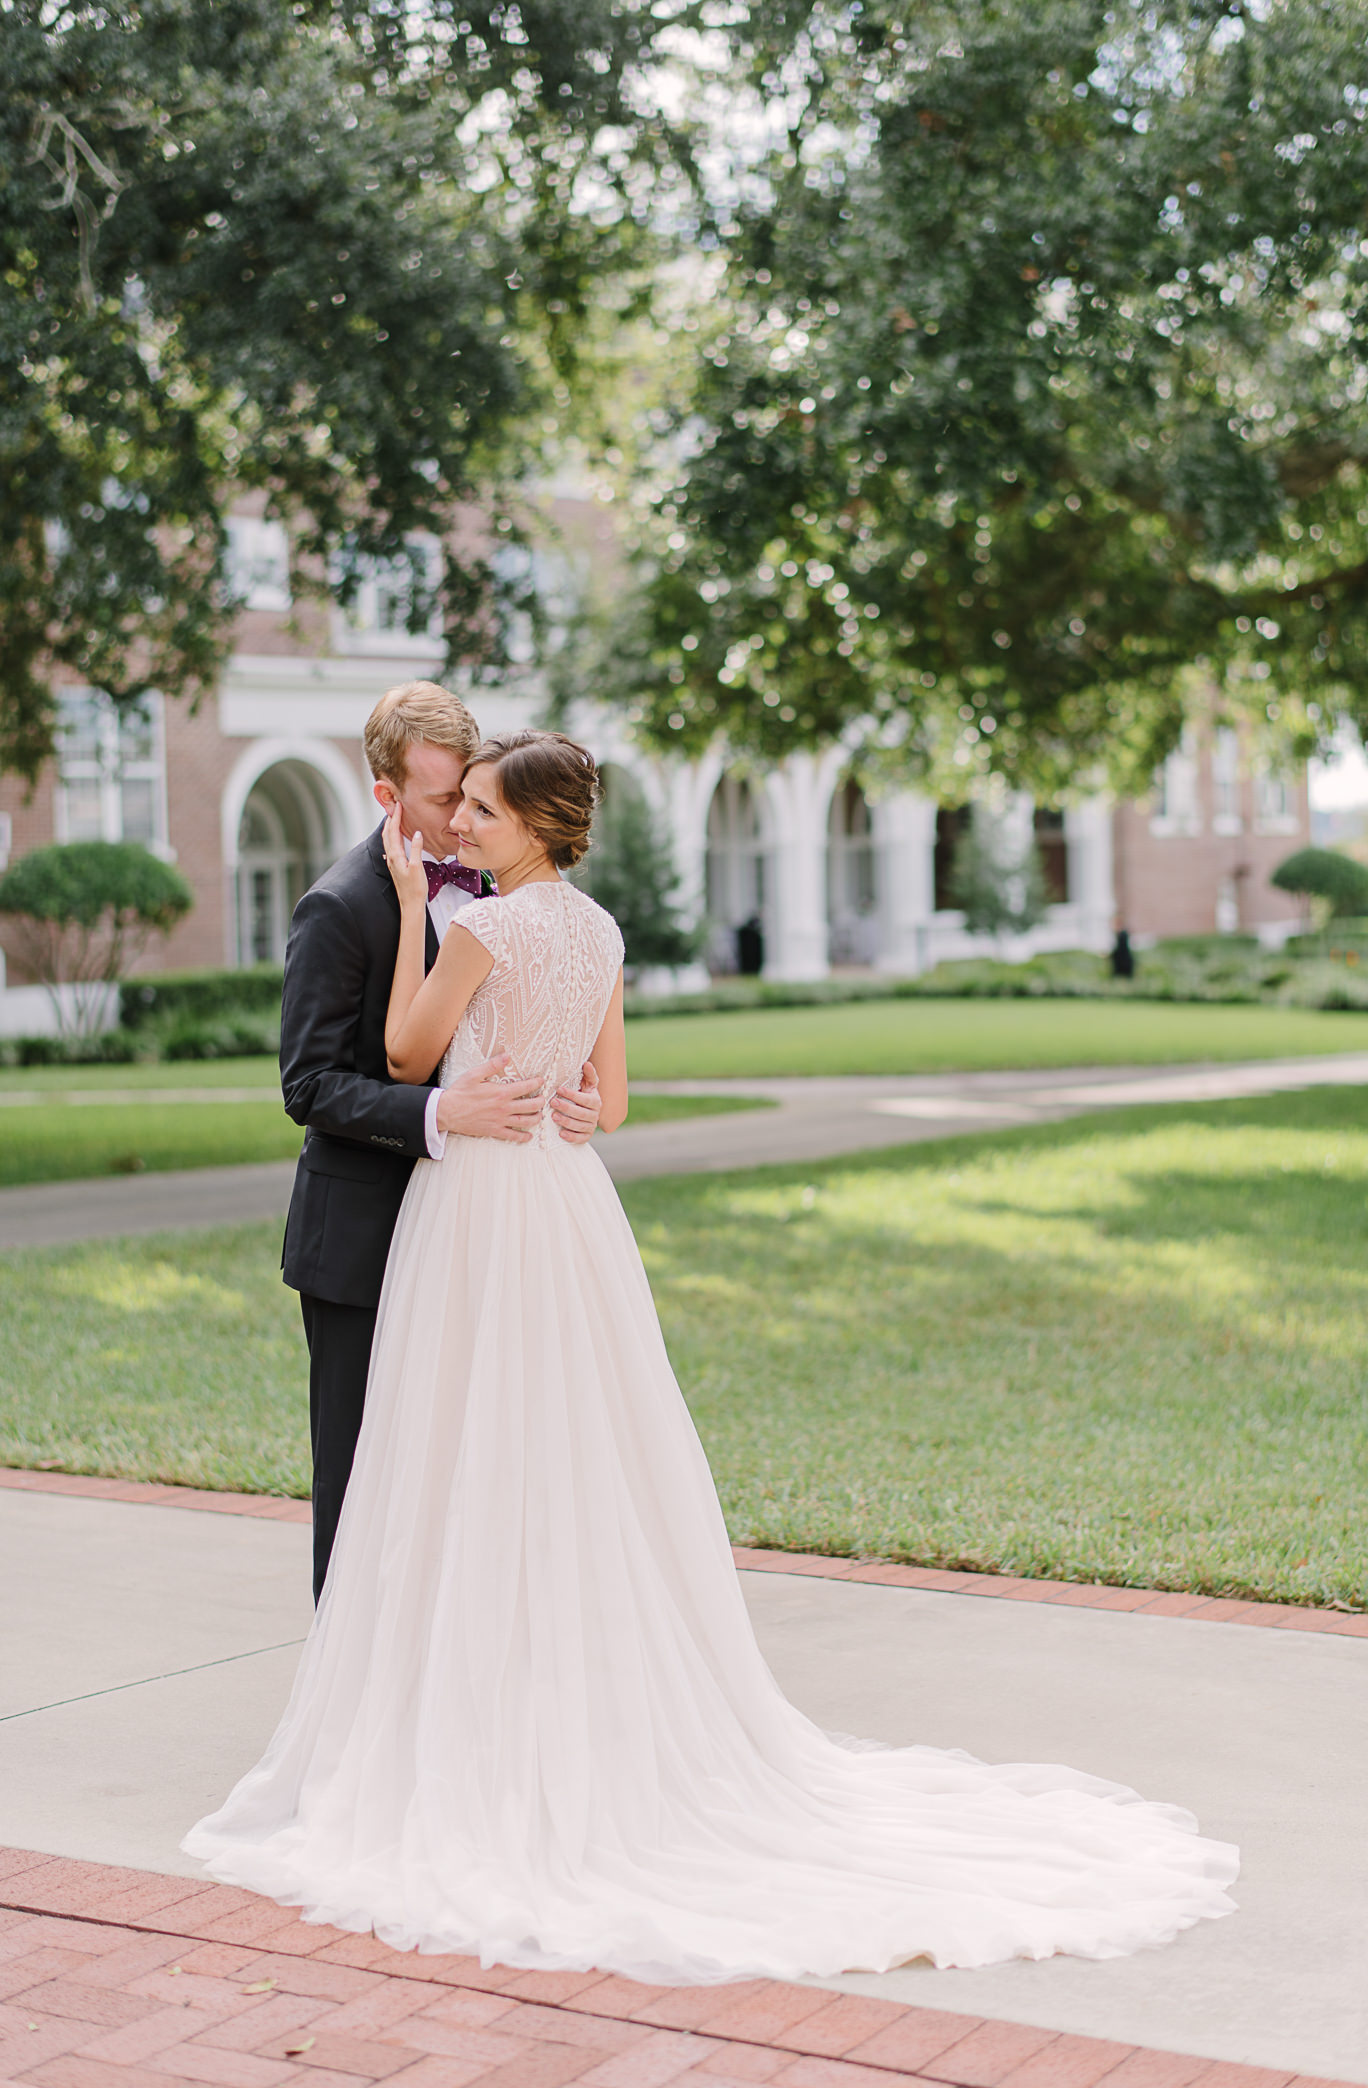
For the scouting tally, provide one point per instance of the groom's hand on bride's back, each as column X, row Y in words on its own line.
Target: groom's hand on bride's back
column 575, row 1110
column 481, row 1104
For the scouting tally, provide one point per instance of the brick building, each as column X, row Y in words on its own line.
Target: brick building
column 263, row 785
column 1198, row 854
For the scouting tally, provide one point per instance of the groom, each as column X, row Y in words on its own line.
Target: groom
column 364, row 1131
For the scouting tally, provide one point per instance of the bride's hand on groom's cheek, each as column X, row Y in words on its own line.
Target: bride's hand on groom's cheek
column 575, row 1111
column 405, row 864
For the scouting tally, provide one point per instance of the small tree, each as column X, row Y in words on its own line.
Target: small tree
column 86, row 911
column 1336, row 881
column 999, row 893
column 630, row 872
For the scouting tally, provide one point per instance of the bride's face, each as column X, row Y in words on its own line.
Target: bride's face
column 488, row 835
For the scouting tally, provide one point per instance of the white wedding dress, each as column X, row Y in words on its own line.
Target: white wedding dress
column 531, row 1721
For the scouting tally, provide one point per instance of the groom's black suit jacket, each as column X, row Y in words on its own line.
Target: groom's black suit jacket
column 364, row 1130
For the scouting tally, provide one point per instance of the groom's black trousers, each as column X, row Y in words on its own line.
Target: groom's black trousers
column 339, row 1338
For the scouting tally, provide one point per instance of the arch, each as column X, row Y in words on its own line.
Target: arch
column 686, row 793
column 289, row 809
column 737, row 873
column 1050, row 831
column 852, row 877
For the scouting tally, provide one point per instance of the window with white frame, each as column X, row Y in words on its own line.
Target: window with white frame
column 553, row 579
column 111, row 769
column 1177, row 806
column 1275, row 808
column 258, row 563
column 378, row 618
column 1225, row 782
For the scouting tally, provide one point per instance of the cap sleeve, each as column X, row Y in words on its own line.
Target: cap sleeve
column 487, row 921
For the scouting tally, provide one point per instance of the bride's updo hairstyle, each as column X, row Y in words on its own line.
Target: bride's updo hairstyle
column 550, row 783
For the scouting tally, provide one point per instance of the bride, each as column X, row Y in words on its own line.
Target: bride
column 531, row 1720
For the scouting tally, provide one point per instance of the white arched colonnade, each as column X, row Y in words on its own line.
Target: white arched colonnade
column 838, row 879
column 835, row 877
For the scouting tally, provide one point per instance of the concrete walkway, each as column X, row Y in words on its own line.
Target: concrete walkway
column 153, row 1648
column 814, row 1119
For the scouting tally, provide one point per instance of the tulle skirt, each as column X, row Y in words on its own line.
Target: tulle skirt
column 531, row 1722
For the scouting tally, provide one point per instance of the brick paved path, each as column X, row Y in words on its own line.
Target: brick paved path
column 122, row 1979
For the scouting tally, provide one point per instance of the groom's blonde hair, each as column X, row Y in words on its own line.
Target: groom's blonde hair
column 415, row 710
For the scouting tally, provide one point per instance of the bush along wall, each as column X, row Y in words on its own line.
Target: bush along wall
column 205, row 1014
column 200, row 996
column 1330, row 972
column 172, row 1015
column 1345, row 942
column 236, row 1014
column 115, row 1047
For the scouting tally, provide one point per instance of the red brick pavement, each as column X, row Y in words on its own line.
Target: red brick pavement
column 1275, row 1616
column 116, row 1978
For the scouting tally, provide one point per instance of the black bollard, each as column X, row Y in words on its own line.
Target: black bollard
column 750, row 947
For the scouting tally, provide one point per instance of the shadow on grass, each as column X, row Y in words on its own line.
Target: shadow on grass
column 946, row 1353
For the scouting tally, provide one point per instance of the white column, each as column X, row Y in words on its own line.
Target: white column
column 687, row 795
column 796, row 796
column 1088, row 831
column 905, row 840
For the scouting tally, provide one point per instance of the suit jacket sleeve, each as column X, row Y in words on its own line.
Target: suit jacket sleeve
column 325, row 974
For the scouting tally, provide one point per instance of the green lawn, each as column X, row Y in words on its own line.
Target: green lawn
column 58, row 1141
column 1127, row 1348
column 901, row 1036
column 55, row 1142
column 938, row 1036
column 261, row 1072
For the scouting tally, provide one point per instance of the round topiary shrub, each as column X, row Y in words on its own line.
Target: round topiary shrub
column 1325, row 874
column 85, row 912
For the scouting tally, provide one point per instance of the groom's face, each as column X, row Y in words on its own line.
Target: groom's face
column 427, row 797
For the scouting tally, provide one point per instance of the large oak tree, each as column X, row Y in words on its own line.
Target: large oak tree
column 1039, row 373
column 316, row 252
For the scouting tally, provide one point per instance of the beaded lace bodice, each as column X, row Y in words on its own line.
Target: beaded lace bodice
column 556, row 958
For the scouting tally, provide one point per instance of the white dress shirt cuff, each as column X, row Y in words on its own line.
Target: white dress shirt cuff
column 436, row 1140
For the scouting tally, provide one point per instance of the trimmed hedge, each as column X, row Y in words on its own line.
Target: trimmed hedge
column 1203, row 946
column 1345, row 941
column 112, row 1048
column 731, row 994
column 200, row 996
column 236, row 1036
column 236, row 1014
column 1234, row 969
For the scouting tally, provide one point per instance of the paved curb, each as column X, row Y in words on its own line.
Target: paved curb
column 123, row 1979
column 1149, row 1602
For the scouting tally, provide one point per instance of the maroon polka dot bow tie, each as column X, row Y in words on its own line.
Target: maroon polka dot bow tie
column 439, row 874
